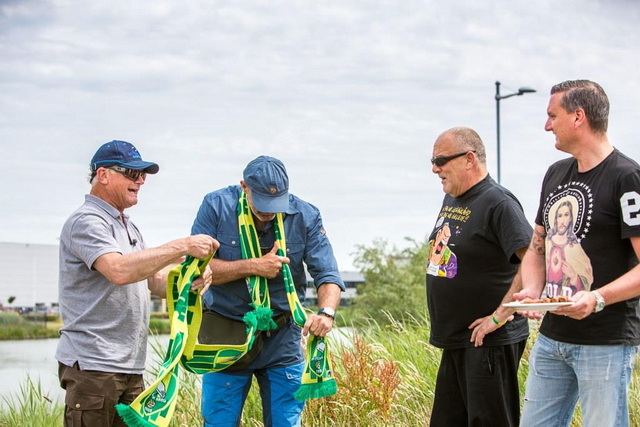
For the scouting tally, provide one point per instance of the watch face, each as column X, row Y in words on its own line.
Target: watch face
column 327, row 311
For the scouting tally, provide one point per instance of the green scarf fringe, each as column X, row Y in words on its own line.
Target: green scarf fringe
column 131, row 417
column 316, row 391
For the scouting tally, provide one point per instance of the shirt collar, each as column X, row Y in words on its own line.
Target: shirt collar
column 90, row 198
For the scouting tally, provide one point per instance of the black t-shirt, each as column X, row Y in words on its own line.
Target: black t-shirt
column 589, row 218
column 472, row 261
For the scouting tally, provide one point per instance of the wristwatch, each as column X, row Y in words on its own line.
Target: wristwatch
column 328, row 311
column 599, row 301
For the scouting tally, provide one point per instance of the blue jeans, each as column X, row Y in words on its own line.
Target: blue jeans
column 561, row 373
column 223, row 396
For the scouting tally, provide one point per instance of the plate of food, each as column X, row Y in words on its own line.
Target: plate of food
column 543, row 304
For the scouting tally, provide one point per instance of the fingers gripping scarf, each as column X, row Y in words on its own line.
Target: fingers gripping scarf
column 155, row 405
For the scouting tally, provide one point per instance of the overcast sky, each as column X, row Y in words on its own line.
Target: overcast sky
column 349, row 94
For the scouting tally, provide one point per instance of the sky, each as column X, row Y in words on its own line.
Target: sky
column 349, row 94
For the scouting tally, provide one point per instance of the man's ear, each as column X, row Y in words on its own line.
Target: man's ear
column 580, row 117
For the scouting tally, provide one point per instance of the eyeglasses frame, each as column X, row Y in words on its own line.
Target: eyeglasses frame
column 440, row 161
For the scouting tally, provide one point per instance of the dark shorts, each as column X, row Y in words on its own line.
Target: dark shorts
column 91, row 396
column 478, row 386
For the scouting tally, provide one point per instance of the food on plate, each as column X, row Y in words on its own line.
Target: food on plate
column 544, row 300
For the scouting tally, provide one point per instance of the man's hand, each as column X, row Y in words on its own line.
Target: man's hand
column 528, row 293
column 270, row 264
column 318, row 324
column 483, row 327
column 584, row 304
column 201, row 245
column 203, row 282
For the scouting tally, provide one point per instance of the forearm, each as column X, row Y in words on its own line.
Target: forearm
column 228, row 271
column 329, row 295
column 533, row 269
column 135, row 267
column 158, row 282
column 623, row 288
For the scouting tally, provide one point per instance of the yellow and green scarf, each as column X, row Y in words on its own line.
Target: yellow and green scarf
column 155, row 405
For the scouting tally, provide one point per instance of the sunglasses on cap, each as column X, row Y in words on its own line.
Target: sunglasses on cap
column 443, row 160
column 131, row 174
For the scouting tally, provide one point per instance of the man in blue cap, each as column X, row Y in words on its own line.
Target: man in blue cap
column 105, row 274
column 277, row 361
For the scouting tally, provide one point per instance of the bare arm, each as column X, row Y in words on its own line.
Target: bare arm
column 328, row 296
column 269, row 265
column 533, row 266
column 135, row 267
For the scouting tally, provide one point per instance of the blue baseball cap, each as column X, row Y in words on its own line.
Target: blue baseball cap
column 121, row 153
column 267, row 178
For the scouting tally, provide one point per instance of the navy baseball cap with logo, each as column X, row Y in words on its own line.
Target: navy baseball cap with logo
column 267, row 178
column 121, row 153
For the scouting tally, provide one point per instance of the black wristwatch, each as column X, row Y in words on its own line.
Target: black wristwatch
column 328, row 311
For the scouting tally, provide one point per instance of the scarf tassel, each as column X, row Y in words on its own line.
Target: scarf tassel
column 131, row 417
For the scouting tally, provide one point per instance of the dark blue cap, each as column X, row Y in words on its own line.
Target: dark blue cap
column 121, row 153
column 267, row 178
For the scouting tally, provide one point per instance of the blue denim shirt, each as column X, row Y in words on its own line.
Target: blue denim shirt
column 306, row 241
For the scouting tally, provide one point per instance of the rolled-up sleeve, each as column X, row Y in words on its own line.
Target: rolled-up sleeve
column 318, row 257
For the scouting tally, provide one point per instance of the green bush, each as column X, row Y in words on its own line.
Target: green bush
column 15, row 327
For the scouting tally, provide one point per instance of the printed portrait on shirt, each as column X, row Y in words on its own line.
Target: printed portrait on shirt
column 567, row 265
column 442, row 261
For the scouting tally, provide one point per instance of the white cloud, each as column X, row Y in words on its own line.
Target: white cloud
column 350, row 95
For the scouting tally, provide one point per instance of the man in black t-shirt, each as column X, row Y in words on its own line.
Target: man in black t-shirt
column 585, row 246
column 474, row 251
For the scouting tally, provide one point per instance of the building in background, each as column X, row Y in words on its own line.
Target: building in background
column 31, row 278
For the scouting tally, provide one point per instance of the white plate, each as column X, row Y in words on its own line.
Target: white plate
column 543, row 306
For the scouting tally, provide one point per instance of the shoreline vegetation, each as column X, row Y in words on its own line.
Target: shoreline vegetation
column 386, row 376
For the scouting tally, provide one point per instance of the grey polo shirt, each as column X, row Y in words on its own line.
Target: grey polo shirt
column 105, row 325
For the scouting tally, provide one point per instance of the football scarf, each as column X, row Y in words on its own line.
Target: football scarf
column 155, row 405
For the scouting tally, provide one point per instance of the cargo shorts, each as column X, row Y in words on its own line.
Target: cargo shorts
column 91, row 396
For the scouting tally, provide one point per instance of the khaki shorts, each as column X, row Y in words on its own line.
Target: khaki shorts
column 92, row 395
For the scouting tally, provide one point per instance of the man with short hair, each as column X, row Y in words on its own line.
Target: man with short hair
column 586, row 350
column 105, row 274
column 261, row 198
column 474, row 251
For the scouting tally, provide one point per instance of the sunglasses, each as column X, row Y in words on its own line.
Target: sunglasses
column 443, row 160
column 131, row 174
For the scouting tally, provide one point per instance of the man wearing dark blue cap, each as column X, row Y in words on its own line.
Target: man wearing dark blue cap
column 105, row 270
column 278, row 365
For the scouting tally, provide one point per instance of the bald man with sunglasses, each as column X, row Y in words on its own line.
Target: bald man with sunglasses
column 475, row 247
column 106, row 272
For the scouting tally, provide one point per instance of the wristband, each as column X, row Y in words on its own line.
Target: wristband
column 496, row 321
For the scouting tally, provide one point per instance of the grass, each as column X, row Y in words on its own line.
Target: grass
column 30, row 407
column 16, row 327
column 386, row 376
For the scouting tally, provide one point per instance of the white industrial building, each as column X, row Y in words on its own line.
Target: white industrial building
column 31, row 277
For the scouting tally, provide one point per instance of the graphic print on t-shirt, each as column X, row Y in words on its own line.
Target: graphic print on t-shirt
column 567, row 218
column 442, row 261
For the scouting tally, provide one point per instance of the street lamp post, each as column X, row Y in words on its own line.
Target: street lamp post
column 498, row 97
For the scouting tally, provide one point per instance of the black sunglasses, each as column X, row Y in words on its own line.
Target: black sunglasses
column 443, row 160
column 131, row 174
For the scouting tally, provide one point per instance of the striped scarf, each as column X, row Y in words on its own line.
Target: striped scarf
column 156, row 404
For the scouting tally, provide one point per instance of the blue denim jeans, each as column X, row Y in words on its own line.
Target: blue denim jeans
column 561, row 373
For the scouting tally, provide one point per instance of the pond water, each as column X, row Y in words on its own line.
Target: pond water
column 35, row 358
